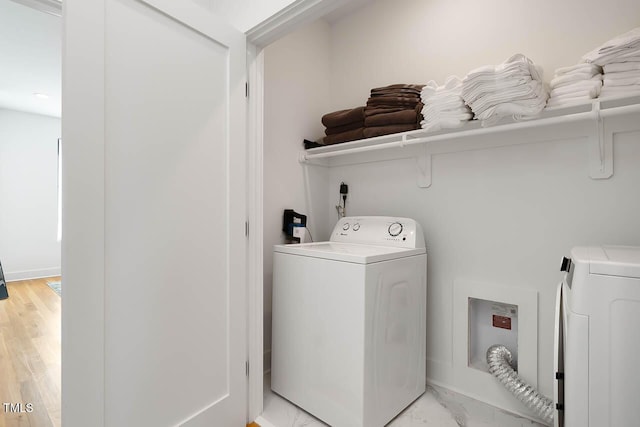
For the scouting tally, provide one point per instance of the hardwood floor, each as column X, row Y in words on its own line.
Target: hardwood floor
column 30, row 355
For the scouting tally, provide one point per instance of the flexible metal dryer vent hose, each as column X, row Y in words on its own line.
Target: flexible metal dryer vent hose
column 499, row 359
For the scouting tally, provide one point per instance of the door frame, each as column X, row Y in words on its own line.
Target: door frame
column 289, row 19
column 255, row 192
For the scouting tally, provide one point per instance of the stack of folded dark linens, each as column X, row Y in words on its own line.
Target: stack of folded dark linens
column 392, row 109
column 343, row 125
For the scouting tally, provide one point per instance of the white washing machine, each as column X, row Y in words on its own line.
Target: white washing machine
column 349, row 321
column 598, row 344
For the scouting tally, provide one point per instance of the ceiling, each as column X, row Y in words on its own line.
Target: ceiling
column 30, row 59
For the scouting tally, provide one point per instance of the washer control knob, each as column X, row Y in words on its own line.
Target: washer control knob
column 356, row 226
column 395, row 229
column 345, row 227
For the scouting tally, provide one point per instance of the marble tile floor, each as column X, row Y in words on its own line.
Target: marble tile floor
column 438, row 407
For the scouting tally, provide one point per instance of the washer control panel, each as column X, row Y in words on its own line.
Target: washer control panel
column 379, row 231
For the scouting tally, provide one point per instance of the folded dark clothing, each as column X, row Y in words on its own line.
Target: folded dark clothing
column 394, row 98
column 395, row 118
column 351, row 135
column 344, row 128
column 398, row 92
column 370, row 132
column 373, row 110
column 398, row 86
column 343, row 117
column 392, row 104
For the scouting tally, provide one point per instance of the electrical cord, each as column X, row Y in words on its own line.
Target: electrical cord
column 340, row 209
column 308, row 231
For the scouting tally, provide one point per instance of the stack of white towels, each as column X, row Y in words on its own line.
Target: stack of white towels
column 512, row 89
column 620, row 59
column 575, row 84
column 444, row 107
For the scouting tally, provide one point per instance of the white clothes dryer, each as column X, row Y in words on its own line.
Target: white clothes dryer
column 598, row 338
column 349, row 321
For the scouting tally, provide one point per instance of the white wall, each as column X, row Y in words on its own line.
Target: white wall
column 503, row 216
column 28, row 195
column 296, row 96
column 414, row 41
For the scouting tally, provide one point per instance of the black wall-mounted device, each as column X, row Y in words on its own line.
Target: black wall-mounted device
column 290, row 220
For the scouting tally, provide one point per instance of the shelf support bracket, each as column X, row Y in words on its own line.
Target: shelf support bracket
column 424, row 168
column 600, row 148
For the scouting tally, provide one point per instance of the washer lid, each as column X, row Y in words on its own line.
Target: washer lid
column 623, row 261
column 348, row 252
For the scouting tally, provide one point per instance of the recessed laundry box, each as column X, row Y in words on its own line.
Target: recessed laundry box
column 349, row 321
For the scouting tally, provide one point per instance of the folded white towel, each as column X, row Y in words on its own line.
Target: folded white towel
column 513, row 88
column 613, row 81
column 617, row 67
column 518, row 111
column 463, row 117
column 437, row 107
column 517, row 64
column 630, row 56
column 571, row 78
column 567, row 102
column 443, row 105
column 629, row 39
column 474, row 89
column 453, row 85
column 568, row 82
column 449, row 115
column 589, row 93
column 438, row 97
column 445, row 123
column 579, row 68
column 520, row 93
column 619, row 91
column 627, row 55
column 624, row 45
column 623, row 74
column 575, row 86
column 568, row 98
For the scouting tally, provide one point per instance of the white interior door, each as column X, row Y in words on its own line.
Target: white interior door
column 154, row 328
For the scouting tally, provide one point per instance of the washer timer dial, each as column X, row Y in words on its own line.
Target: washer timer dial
column 395, row 229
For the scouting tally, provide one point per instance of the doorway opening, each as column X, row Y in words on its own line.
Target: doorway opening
column 30, row 212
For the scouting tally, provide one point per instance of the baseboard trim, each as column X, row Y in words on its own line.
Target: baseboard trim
column 15, row 276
